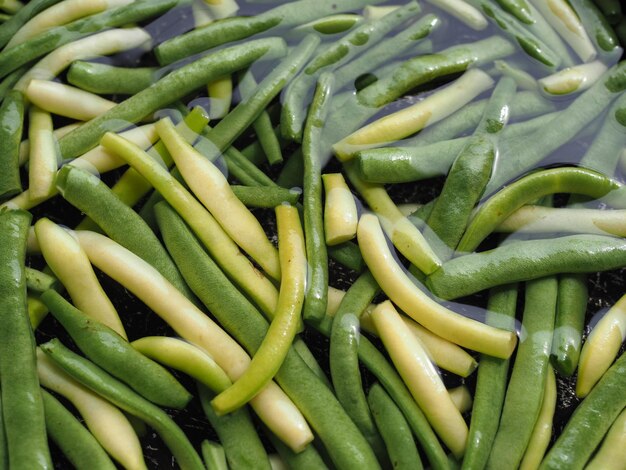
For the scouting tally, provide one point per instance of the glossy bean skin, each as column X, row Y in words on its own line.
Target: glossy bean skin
column 22, row 405
column 525, row 260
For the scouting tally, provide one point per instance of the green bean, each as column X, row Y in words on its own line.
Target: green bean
column 240, row 118
column 525, row 104
column 344, row 361
column 39, row 282
column 526, row 260
column 317, row 285
column 108, row 79
column 490, row 383
column 308, row 459
column 110, row 351
column 76, row 442
column 307, row 356
column 522, row 403
column 423, row 69
column 297, row 94
column 89, row 194
column 526, row 153
column 394, row 430
column 171, row 87
column 518, row 8
column 347, row 254
column 292, row 173
column 611, row 453
column 13, row 24
column 329, row 25
column 263, row 124
column 15, row 57
column 232, row 29
column 22, row 406
column 597, row 27
column 122, row 396
column 213, row 456
column 236, row 432
column 570, row 318
column 471, row 169
column 265, row 196
column 12, row 118
column 10, row 80
column 379, row 54
column 244, row 322
column 529, row 42
column 590, row 421
column 531, row 187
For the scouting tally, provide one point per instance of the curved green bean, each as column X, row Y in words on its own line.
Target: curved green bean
column 108, row 79
column 531, row 187
column 525, row 260
column 10, row 27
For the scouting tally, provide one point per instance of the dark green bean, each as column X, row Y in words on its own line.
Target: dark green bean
column 170, row 88
column 522, row 403
column 490, row 383
column 15, row 57
column 529, row 42
column 394, row 430
column 265, row 196
column 344, row 361
column 10, row 26
column 518, row 8
column 292, row 173
column 531, row 187
column 244, row 322
column 232, row 29
column 570, row 319
column 347, row 254
column 307, row 356
column 122, row 396
column 423, row 69
column 22, row 406
column 590, row 422
column 525, row 260
column 10, row 80
column 108, row 79
column 74, row 440
column 471, row 170
column 11, row 124
column 597, row 26
column 317, row 283
column 236, row 432
column 120, row 222
column 114, row 354
column 263, row 124
column 308, row 459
